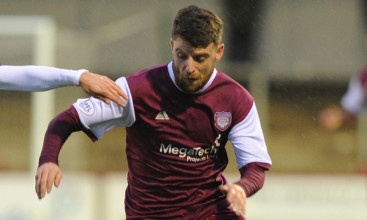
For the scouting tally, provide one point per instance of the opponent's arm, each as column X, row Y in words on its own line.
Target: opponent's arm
column 37, row 78
column 102, row 87
column 41, row 78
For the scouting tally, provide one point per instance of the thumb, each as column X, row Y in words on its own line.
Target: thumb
column 105, row 100
column 224, row 189
column 58, row 179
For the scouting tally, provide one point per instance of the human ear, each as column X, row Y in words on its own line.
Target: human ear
column 219, row 53
column 172, row 44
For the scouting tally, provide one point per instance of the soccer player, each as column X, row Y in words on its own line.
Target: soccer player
column 178, row 118
column 40, row 78
column 352, row 104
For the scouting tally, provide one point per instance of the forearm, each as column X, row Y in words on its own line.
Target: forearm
column 253, row 177
column 37, row 78
column 58, row 132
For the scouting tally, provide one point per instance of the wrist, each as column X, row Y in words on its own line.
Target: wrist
column 80, row 76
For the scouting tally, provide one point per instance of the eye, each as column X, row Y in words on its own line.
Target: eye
column 181, row 55
column 200, row 58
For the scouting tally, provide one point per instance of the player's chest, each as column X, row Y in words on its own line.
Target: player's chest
column 186, row 119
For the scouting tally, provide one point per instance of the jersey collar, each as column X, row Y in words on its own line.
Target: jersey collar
column 172, row 76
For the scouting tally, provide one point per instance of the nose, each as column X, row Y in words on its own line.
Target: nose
column 190, row 65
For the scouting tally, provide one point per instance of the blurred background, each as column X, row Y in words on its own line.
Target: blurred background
column 294, row 56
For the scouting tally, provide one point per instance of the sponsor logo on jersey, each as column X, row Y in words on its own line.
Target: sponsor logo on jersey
column 192, row 155
column 87, row 107
column 222, row 120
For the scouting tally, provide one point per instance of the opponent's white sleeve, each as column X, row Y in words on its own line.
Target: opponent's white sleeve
column 248, row 140
column 99, row 117
column 37, row 78
column 353, row 100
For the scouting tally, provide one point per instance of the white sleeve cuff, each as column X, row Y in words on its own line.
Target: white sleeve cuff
column 76, row 77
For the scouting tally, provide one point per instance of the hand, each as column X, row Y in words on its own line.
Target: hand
column 102, row 87
column 47, row 175
column 331, row 118
column 236, row 197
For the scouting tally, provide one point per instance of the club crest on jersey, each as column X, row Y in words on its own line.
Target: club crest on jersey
column 87, row 107
column 222, row 120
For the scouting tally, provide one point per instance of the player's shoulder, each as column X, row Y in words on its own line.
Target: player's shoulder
column 227, row 83
column 147, row 71
column 231, row 96
column 146, row 79
column 226, row 79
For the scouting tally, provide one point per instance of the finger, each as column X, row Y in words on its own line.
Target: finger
column 236, row 210
column 37, row 185
column 224, row 189
column 58, row 179
column 43, row 186
column 242, row 213
column 107, row 90
column 50, row 182
column 239, row 200
column 113, row 96
column 118, row 90
column 105, row 100
column 117, row 99
column 231, row 194
column 240, row 209
column 119, row 102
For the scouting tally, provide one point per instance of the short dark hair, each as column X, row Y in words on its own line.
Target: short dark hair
column 198, row 26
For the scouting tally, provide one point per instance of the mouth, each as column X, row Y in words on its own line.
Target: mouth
column 191, row 78
column 191, row 81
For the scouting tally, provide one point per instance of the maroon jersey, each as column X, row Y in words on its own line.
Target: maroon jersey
column 363, row 79
column 176, row 147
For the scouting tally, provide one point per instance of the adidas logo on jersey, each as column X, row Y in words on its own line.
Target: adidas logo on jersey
column 162, row 116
